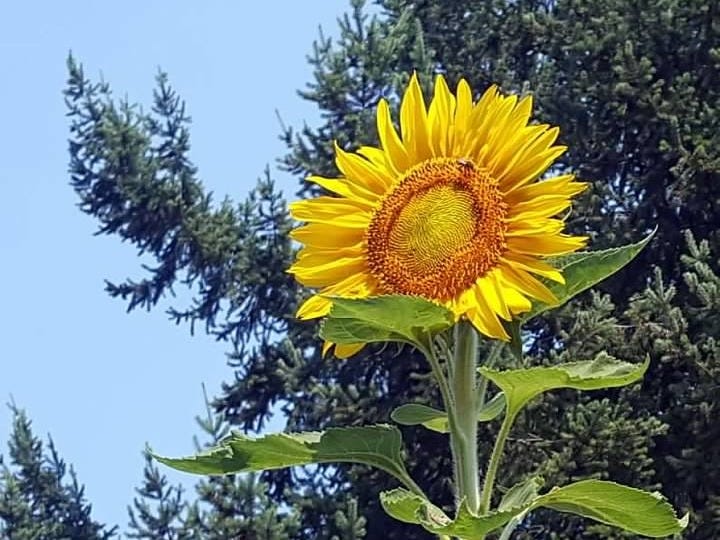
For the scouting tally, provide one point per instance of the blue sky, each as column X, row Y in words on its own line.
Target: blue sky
column 101, row 381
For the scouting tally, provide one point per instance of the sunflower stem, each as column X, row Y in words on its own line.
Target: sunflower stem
column 463, row 431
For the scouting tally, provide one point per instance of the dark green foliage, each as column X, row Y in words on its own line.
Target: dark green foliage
column 159, row 513
column 132, row 172
column 634, row 87
column 40, row 499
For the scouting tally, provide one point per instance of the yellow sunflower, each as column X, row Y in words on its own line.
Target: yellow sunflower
column 450, row 209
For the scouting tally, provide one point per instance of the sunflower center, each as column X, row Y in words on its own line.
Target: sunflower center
column 438, row 230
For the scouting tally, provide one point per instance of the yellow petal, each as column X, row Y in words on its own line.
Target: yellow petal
column 328, row 273
column 461, row 304
column 487, row 322
column 488, row 290
column 346, row 350
column 516, row 302
column 539, row 207
column 331, row 210
column 442, row 110
column 534, row 160
column 558, row 185
column 360, row 285
column 492, row 129
column 380, row 159
column 487, row 101
column 341, row 186
column 508, row 136
column 321, row 235
column 534, row 227
column 394, row 148
column 526, row 284
column 414, row 123
column 360, row 171
column 312, row 256
column 462, row 116
column 534, row 265
column 513, row 151
column 546, row 247
column 314, row 307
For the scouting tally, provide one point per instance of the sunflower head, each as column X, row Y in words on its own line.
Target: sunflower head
column 450, row 209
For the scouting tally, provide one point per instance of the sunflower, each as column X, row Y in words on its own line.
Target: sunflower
column 450, row 209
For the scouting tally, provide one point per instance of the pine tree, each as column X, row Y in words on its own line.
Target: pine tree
column 237, row 506
column 234, row 506
column 634, row 87
column 160, row 510
column 40, row 498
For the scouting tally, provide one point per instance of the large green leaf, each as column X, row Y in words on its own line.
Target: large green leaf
column 384, row 318
column 413, row 414
column 631, row 509
column 634, row 510
column 378, row 446
column 584, row 270
column 522, row 385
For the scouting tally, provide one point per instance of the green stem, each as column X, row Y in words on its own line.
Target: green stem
column 511, row 526
column 406, row 479
column 490, row 362
column 464, row 432
column 429, row 351
column 495, row 462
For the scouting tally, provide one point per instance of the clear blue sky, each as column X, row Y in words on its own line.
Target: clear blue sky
column 101, row 381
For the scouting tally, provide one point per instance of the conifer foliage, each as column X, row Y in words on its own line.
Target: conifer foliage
column 634, row 87
column 40, row 498
column 225, row 507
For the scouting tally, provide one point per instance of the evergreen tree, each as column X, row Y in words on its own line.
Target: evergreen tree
column 40, row 498
column 634, row 87
column 234, row 506
column 159, row 513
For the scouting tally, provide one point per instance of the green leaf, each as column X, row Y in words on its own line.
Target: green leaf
column 492, row 409
column 631, row 509
column 413, row 414
column 466, row 525
column 522, row 385
column 584, row 270
column 521, row 493
column 384, row 318
column 634, row 510
column 378, row 446
column 411, row 508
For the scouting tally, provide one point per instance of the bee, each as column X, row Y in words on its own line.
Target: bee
column 466, row 164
